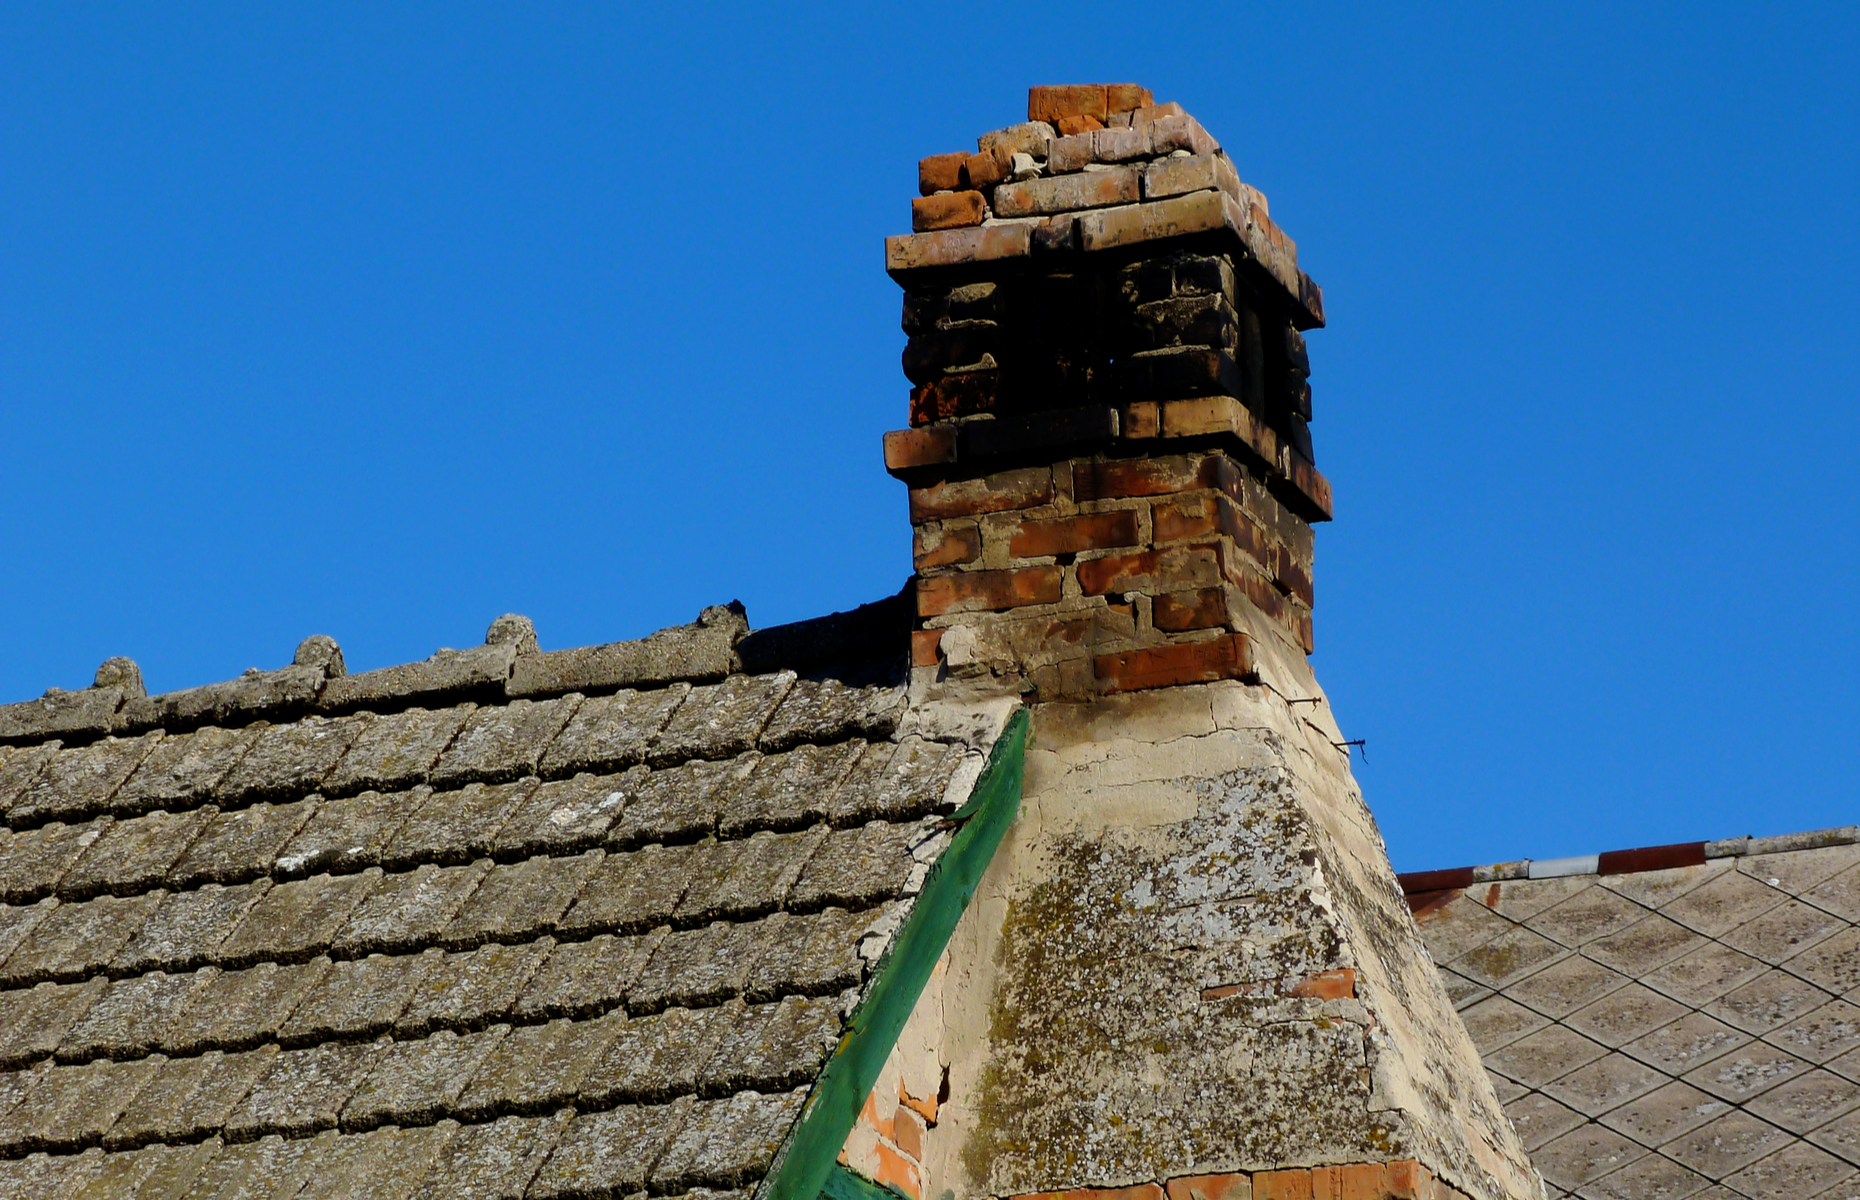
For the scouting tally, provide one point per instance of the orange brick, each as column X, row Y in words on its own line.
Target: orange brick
column 1327, row 985
column 908, row 448
column 869, row 1114
column 1363, row 1181
column 924, row 1107
column 1167, row 569
column 987, row 168
column 941, row 172
column 1068, row 126
column 936, row 546
column 1290, row 575
column 895, row 1170
column 1201, row 608
column 1326, row 1183
column 924, row 647
column 978, row 591
column 1156, row 112
column 1187, row 517
column 991, row 493
column 947, row 210
column 1407, row 1179
column 1211, row 1187
column 1229, row 657
column 908, row 1133
column 1051, row 102
column 1152, row 476
column 1124, row 97
column 1069, row 535
column 1282, row 1185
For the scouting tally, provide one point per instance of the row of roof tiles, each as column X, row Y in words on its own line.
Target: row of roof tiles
column 1624, row 862
column 445, row 747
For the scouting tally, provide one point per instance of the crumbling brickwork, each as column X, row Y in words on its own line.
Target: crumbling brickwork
column 1109, row 450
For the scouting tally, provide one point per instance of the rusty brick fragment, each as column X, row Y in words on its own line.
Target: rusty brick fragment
column 1074, row 126
column 924, row 647
column 947, row 210
column 940, row 172
column 1228, row 657
column 1126, row 97
column 986, row 168
column 1339, row 984
column 959, row 395
column 1161, row 569
column 954, row 247
column 1238, row 1186
column 1069, row 535
column 909, row 448
column 978, row 591
column 1004, row 490
column 1152, row 476
column 940, row 546
column 1051, row 102
column 1198, row 608
column 1282, row 1185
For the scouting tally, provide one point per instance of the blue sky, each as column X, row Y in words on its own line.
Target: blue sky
column 380, row 324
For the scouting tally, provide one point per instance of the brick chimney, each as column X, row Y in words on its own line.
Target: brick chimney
column 1112, row 483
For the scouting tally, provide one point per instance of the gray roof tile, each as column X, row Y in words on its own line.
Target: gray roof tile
column 1670, row 1110
column 896, row 783
column 1807, row 1100
column 134, row 855
column 633, row 891
column 298, row 920
column 396, row 751
column 286, row 761
column 1459, row 926
column 585, row 979
column 1654, row 1177
column 174, row 1169
column 1621, row 1016
column 1798, row 1169
column 1644, row 946
column 1839, row 894
column 117, row 1176
column 1686, row 1043
column 774, row 1047
column 494, row 1161
column 79, row 782
column 609, row 1154
column 186, row 928
column 34, row 1021
column 33, row 861
column 1746, row 1072
column 1543, row 1056
column 1799, row 872
column 44, row 1177
column 808, row 956
column 269, row 1167
column 242, row 844
column 567, row 815
column 1509, row 957
column 76, row 940
column 1772, row 999
column 697, row 967
column 1591, row 913
column 1566, row 985
column 1704, row 973
column 1584, row 1153
column 680, row 804
column 472, row 988
column 745, row 878
column 69, row 1106
column 1833, row 964
column 453, row 827
column 358, row 998
column 1605, row 1084
column 238, row 1010
column 789, row 790
column 18, row 920
column 19, row 766
column 189, row 1098
column 1538, row 1118
column 611, row 733
column 521, row 900
column 183, row 770
column 1498, row 1021
column 416, row 1082
column 132, row 1017
column 409, row 909
column 1784, row 931
column 503, row 742
column 658, row 1058
column 828, row 711
column 304, row 1090
column 1840, row 1137
column 1823, row 1034
column 857, row 868
column 720, row 720
column 1723, row 903
column 346, row 835
column 1725, row 1143
column 1655, row 888
column 727, row 1143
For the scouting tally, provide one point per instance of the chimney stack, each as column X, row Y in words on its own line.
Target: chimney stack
column 1112, row 483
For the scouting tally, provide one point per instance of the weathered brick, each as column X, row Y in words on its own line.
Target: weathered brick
column 1051, row 102
column 1068, row 193
column 954, row 396
column 1169, row 134
column 953, row 247
column 1152, row 571
column 1362, row 1181
column 1282, row 1185
column 1168, row 177
column 1119, row 144
column 924, row 647
column 896, row 1171
column 1199, row 608
column 1228, row 657
column 1070, row 153
column 928, row 355
column 1073, row 126
column 987, row 167
column 1291, row 576
column 1029, row 138
column 1069, row 535
column 1339, row 984
column 1053, row 430
column 1184, row 517
column 947, row 210
column 1151, row 476
column 1024, row 488
column 1208, row 321
column 1198, row 212
column 976, row 591
column 1408, row 1179
column 1187, row 371
column 942, row 546
column 1149, row 113
column 906, row 449
column 1141, row 1191
column 1238, row 1186
column 940, row 172
column 1126, row 97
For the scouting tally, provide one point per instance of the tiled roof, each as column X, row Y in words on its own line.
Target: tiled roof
column 490, row 925
column 1680, row 1031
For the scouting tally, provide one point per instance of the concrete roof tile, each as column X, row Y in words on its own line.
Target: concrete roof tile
column 609, row 1154
column 1823, row 1034
column 1838, row 894
column 1672, row 1109
column 521, row 900
column 189, row 1097
column 1833, row 963
column 457, row 826
column 748, row 877
column 1540, row 1057
column 1644, row 946
column 1566, row 985
column 19, row 767
column 417, row 1082
column 409, row 909
column 1726, row 1143
column 1621, row 1016
column 183, row 770
column 395, row 752
column 1772, row 999
column 1584, row 1153
column 297, row 920
column 241, row 845
column 658, row 1058
column 134, row 855
column 472, row 988
column 826, row 710
column 287, row 761
column 269, row 1166
column 495, row 1160
column 1591, row 913
column 789, row 790
column 585, row 979
column 346, row 835
column 1746, row 1072
column 1807, row 1100
column 77, row 940
column 1463, row 992
column 896, row 783
column 238, row 1010
column 774, row 1047
column 132, row 1016
column 1784, row 931
column 186, row 928
column 612, row 733
column 539, row 1068
column 720, row 720
column 1704, row 973
column 1605, row 1084
column 1686, row 1043
column 567, row 815
column 35, row 1020
column 1654, row 1177
column 34, row 860
column 1723, row 903
column 79, row 782
column 1798, row 1169
column 807, row 956
column 358, row 998
column 18, row 920
column 1509, row 957
column 1522, row 899
column 1800, row 871
column 857, row 868
column 1656, row 888
column 503, row 742
column 679, row 804
column 1539, row 1118
column 697, row 967
column 633, row 891
column 304, row 1090
column 728, row 1143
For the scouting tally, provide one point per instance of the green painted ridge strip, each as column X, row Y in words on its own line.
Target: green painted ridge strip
column 840, row 1092
column 845, row 1184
